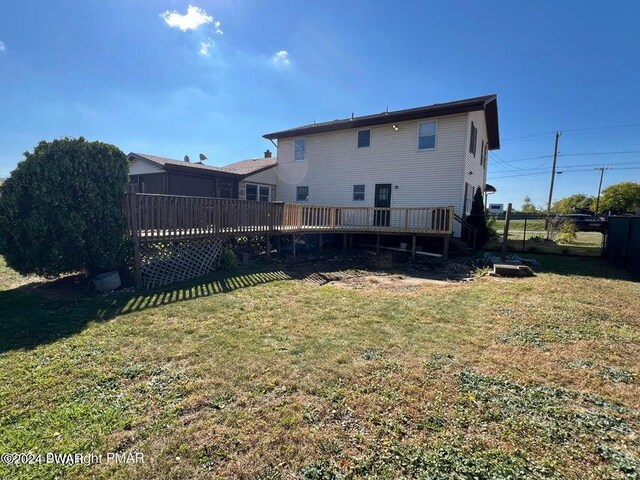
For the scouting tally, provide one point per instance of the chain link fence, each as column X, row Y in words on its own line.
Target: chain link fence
column 556, row 234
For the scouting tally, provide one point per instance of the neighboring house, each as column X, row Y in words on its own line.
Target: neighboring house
column 153, row 174
column 427, row 156
column 258, row 178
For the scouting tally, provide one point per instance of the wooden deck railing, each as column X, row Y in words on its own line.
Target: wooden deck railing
column 169, row 217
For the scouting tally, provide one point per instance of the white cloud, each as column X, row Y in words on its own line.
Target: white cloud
column 2, row 47
column 192, row 20
column 281, row 58
column 206, row 46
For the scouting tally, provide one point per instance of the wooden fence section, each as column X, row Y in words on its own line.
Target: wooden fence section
column 153, row 218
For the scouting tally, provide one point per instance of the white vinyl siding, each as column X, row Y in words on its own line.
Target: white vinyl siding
column 333, row 166
column 137, row 166
column 475, row 173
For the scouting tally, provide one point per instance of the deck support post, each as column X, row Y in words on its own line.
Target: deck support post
column 378, row 244
column 445, row 250
column 344, row 242
column 135, row 233
column 279, row 243
column 293, row 245
column 413, row 248
column 268, row 249
column 320, row 242
column 351, row 241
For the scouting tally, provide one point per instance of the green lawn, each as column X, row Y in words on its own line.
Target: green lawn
column 270, row 374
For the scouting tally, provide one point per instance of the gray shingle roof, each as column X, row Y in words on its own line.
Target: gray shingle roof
column 250, row 166
column 163, row 161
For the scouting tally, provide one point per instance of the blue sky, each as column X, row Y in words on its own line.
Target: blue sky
column 158, row 77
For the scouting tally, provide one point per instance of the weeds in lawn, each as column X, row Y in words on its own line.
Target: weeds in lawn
column 268, row 375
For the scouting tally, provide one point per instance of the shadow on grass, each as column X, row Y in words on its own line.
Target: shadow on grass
column 37, row 314
column 45, row 312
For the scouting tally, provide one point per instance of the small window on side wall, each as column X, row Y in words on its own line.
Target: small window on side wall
column 300, row 148
column 482, row 153
column 473, row 139
column 358, row 193
column 302, row 194
column 426, row 135
column 364, row 138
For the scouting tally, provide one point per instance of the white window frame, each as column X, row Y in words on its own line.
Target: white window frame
column 358, row 138
column 257, row 185
column 302, row 186
column 435, row 140
column 364, row 192
column 304, row 158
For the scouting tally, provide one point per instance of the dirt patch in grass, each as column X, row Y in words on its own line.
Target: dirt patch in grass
column 399, row 283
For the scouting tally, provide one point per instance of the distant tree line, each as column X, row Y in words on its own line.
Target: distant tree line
column 622, row 197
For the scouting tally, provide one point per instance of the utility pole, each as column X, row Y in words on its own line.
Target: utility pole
column 553, row 172
column 602, row 169
column 553, row 178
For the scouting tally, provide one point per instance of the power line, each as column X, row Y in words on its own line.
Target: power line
column 577, row 154
column 584, row 129
column 607, row 127
column 633, row 162
column 566, row 171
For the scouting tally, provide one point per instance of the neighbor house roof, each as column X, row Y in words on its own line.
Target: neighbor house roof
column 171, row 164
column 251, row 166
column 488, row 103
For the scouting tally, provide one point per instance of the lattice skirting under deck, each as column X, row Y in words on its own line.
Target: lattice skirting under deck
column 170, row 262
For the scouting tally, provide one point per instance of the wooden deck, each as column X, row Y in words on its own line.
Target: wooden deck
column 154, row 218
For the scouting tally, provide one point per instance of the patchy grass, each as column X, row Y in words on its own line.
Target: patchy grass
column 274, row 374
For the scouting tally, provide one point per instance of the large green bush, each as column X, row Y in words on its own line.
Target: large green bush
column 61, row 209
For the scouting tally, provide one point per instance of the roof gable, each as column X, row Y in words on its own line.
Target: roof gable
column 251, row 166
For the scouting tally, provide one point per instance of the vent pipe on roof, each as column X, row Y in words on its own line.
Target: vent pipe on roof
column 267, row 154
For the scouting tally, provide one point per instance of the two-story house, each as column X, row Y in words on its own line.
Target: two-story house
column 427, row 156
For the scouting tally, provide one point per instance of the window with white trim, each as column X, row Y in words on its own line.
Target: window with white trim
column 482, row 154
column 364, row 138
column 302, row 194
column 300, row 146
column 358, row 193
column 473, row 139
column 259, row 193
column 427, row 135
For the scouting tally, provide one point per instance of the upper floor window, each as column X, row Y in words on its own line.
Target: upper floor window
column 364, row 138
column 482, row 153
column 358, row 193
column 300, row 148
column 473, row 139
column 302, row 194
column 426, row 135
